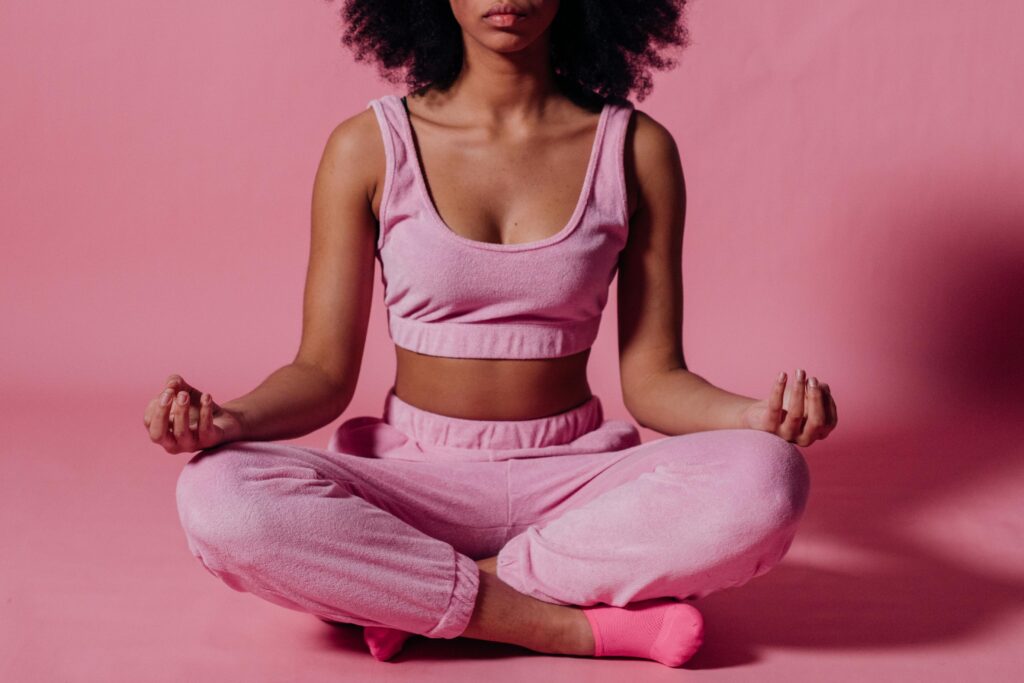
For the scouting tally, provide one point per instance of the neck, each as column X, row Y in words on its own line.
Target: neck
column 505, row 87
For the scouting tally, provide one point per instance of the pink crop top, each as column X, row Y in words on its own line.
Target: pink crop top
column 448, row 295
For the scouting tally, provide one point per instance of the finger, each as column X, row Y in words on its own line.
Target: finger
column 830, row 424
column 791, row 426
column 815, row 424
column 775, row 401
column 167, row 440
column 826, row 404
column 206, row 432
column 182, row 433
column 833, row 414
column 158, row 425
column 191, row 439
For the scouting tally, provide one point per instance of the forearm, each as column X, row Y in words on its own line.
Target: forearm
column 679, row 401
column 294, row 400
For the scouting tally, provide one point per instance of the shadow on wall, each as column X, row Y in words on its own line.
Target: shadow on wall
column 912, row 532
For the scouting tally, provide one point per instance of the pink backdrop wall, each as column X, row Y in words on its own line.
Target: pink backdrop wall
column 855, row 172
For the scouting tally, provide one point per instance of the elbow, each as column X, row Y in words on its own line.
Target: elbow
column 633, row 407
column 338, row 385
column 344, row 391
column 645, row 397
column 639, row 419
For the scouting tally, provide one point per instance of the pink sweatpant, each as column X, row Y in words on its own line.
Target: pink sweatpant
column 382, row 527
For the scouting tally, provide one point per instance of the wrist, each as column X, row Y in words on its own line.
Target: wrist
column 739, row 414
column 237, row 429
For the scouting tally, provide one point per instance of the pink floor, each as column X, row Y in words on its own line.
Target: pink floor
column 910, row 567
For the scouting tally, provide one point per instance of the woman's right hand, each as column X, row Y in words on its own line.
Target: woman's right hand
column 191, row 424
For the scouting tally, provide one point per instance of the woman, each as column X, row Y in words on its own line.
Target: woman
column 492, row 499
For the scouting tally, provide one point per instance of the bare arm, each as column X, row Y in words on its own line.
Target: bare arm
column 318, row 385
column 657, row 388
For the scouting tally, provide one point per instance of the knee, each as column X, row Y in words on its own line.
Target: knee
column 217, row 505
column 771, row 474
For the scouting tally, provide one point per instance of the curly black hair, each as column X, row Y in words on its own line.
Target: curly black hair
column 600, row 51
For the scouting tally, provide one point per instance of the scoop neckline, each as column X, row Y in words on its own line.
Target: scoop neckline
column 438, row 222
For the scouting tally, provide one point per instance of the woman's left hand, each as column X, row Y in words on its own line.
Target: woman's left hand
column 809, row 415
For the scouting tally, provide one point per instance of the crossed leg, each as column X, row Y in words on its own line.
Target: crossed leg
column 682, row 516
column 364, row 541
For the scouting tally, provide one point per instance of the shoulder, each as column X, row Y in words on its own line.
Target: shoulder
column 651, row 157
column 354, row 137
column 354, row 147
column 653, row 146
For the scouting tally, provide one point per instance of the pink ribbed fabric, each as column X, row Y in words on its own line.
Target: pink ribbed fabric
column 448, row 295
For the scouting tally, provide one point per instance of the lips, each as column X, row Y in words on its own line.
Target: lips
column 505, row 8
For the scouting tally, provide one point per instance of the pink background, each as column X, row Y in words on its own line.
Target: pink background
column 855, row 172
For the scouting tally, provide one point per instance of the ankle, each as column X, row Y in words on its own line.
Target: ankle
column 489, row 564
column 576, row 636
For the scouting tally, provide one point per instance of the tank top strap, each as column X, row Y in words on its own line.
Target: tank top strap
column 609, row 192
column 398, row 191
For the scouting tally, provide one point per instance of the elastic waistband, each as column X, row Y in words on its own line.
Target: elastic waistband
column 456, row 432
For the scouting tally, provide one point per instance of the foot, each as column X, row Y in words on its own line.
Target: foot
column 384, row 642
column 663, row 629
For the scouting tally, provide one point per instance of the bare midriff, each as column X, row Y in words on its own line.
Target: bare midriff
column 492, row 389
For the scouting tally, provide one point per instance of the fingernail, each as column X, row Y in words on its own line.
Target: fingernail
column 165, row 397
column 813, row 383
column 782, row 376
column 800, row 375
column 182, row 397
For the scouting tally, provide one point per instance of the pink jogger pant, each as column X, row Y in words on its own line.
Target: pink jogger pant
column 382, row 527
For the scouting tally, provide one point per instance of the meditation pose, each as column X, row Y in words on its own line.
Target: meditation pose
column 491, row 497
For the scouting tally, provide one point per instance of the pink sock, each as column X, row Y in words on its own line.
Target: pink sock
column 384, row 642
column 663, row 629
